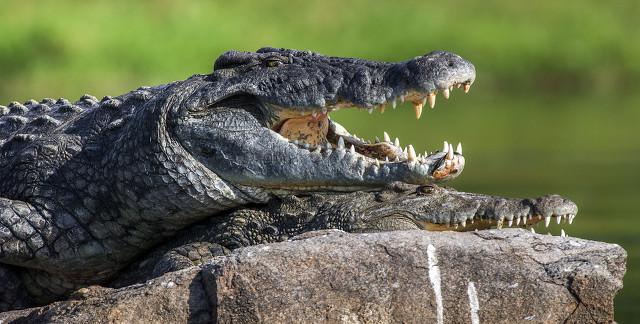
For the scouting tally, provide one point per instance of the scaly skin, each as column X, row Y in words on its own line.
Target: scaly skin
column 85, row 188
column 400, row 207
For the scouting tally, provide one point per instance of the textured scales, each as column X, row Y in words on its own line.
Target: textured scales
column 87, row 187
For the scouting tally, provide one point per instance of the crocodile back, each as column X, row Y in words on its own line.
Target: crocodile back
column 40, row 118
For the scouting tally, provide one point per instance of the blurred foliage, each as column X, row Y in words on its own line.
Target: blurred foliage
column 554, row 107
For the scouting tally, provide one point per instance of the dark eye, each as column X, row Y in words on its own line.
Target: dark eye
column 273, row 62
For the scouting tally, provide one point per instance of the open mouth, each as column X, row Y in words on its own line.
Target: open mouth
column 479, row 222
column 313, row 130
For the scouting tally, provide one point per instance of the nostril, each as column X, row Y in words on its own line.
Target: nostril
column 450, row 64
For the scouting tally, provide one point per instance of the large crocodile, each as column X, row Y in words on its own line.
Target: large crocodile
column 87, row 187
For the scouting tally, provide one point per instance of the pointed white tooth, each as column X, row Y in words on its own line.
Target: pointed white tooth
column 306, row 145
column 393, row 103
column 459, row 148
column 397, row 142
column 571, row 217
column 445, row 147
column 558, row 219
column 533, row 231
column 418, row 109
column 340, row 143
column 296, row 142
column 562, row 233
column 377, row 163
column 314, row 114
column 386, row 159
column 377, row 139
column 397, row 159
column 328, row 146
column 317, row 150
column 382, row 108
column 352, row 149
column 464, row 223
column 450, row 152
column 405, row 151
column 517, row 221
column 401, row 98
column 432, row 100
column 370, row 110
column 324, row 110
column 499, row 224
column 510, row 222
column 412, row 153
column 467, row 86
column 446, row 93
column 547, row 221
column 387, row 138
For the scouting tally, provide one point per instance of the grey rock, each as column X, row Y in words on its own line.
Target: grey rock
column 495, row 276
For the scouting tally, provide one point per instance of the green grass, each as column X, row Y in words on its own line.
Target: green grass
column 555, row 108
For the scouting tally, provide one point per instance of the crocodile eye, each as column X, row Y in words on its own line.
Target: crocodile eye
column 273, row 62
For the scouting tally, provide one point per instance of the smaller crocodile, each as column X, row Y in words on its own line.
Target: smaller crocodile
column 88, row 187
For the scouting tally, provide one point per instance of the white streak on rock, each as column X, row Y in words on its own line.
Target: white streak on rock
column 473, row 302
column 434, row 277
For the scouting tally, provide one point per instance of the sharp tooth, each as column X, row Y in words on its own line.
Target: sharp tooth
column 445, row 93
column 314, row 114
column 547, row 220
column 467, row 86
column 424, row 101
column 445, row 147
column 571, row 217
column 517, row 221
column 377, row 163
column 352, row 149
column 397, row 142
column 499, row 224
column 386, row 159
column 401, row 98
column 533, row 231
column 432, row 100
column 558, row 219
column 328, row 146
column 306, row 145
column 459, row 149
column 382, row 108
column 377, row 139
column 317, row 150
column 393, row 103
column 458, row 85
column 340, row 143
column 464, row 223
column 405, row 151
column 418, row 108
column 412, row 153
column 397, row 159
column 450, row 152
column 296, row 142
column 510, row 222
column 324, row 110
column 370, row 110
column 386, row 137
column 562, row 233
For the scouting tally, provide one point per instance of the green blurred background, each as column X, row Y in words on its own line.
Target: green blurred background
column 554, row 108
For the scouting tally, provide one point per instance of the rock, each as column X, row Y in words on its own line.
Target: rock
column 496, row 276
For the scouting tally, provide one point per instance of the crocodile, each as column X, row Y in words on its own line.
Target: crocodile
column 87, row 188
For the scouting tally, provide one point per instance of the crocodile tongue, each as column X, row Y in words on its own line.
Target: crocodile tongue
column 310, row 129
column 318, row 130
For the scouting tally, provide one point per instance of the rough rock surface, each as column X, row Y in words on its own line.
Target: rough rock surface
column 496, row 276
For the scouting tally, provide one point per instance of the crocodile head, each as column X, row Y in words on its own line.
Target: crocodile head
column 264, row 119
